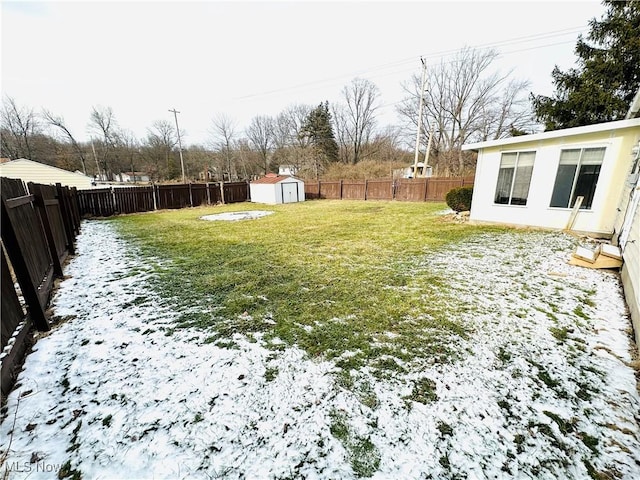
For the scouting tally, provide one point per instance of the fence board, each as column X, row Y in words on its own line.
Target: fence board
column 12, row 316
column 199, row 194
column 12, row 312
column 97, row 202
column 411, row 190
column 215, row 195
column 330, row 190
column 311, row 190
column 380, row 189
column 26, row 245
column 235, row 192
column 133, row 199
column 354, row 189
column 52, row 223
column 173, row 196
column 66, row 201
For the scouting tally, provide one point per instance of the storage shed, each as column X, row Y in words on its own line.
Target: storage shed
column 274, row 189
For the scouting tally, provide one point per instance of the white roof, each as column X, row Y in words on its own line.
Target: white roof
column 565, row 132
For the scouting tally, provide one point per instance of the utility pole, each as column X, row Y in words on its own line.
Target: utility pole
column 95, row 157
column 420, row 108
column 426, row 155
column 175, row 114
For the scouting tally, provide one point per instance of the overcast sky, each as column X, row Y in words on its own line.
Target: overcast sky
column 244, row 59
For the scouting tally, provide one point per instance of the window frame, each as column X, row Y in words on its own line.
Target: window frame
column 577, row 174
column 514, row 177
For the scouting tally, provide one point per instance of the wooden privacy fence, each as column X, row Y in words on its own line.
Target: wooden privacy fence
column 39, row 226
column 105, row 202
column 412, row 190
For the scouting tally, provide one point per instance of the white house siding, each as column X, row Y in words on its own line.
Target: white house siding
column 600, row 219
column 631, row 271
column 30, row 171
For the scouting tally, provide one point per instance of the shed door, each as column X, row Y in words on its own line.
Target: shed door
column 289, row 192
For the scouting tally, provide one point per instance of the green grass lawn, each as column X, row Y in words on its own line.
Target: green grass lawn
column 336, row 278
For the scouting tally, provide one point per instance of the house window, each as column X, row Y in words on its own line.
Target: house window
column 514, row 178
column 577, row 176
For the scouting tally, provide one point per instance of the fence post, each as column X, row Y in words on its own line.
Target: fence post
column 426, row 189
column 222, row 192
column 340, row 189
column 20, row 268
column 153, row 194
column 206, row 186
column 115, row 203
column 366, row 188
column 190, row 196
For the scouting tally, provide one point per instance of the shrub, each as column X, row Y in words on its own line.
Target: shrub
column 459, row 199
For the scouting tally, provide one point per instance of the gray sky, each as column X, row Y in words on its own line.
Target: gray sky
column 245, row 59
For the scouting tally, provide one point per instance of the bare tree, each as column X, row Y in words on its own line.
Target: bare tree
column 223, row 131
column 160, row 142
column 355, row 120
column 19, row 126
column 466, row 101
column 291, row 146
column 129, row 147
column 260, row 135
column 102, row 123
column 59, row 123
column 508, row 114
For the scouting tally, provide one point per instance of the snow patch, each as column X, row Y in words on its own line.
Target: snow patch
column 235, row 216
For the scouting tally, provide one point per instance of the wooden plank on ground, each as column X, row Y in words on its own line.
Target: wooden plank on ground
column 601, row 262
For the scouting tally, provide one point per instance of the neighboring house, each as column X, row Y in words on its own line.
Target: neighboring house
column 534, row 180
column 287, row 170
column 134, row 177
column 274, row 189
column 30, row 171
column 422, row 171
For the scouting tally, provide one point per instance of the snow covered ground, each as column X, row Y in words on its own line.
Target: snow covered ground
column 544, row 389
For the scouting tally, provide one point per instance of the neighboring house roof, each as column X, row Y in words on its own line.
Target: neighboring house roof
column 566, row 132
column 31, row 171
column 272, row 178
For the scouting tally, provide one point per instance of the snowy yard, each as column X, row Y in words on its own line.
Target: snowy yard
column 541, row 388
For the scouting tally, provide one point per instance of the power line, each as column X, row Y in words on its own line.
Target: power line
column 433, row 55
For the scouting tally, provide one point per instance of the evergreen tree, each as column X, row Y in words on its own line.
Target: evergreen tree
column 319, row 130
column 607, row 77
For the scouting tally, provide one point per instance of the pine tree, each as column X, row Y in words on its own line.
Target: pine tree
column 319, row 130
column 603, row 85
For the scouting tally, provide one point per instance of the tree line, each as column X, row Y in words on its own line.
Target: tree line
column 313, row 139
column 465, row 100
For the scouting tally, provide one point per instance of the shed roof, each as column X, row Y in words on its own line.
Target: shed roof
column 272, row 178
